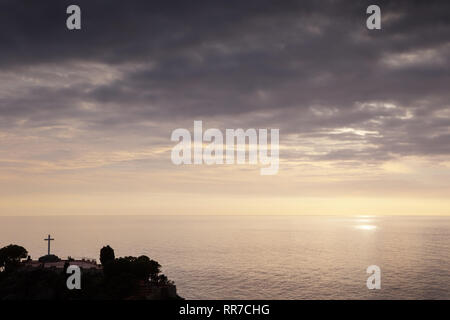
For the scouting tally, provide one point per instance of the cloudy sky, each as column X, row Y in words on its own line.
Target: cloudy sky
column 86, row 116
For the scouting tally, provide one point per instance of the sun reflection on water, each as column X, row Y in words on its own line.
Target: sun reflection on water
column 366, row 227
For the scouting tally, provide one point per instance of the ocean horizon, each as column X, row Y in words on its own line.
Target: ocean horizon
column 261, row 257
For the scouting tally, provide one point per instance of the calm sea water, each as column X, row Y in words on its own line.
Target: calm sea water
column 262, row 257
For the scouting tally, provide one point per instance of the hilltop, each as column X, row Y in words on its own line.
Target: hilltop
column 123, row 278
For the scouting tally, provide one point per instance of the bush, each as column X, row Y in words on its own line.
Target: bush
column 49, row 258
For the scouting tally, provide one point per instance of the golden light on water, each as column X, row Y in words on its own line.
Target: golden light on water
column 366, row 227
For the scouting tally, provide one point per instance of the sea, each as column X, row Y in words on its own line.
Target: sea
column 261, row 257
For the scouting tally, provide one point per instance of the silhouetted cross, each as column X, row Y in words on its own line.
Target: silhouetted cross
column 49, row 239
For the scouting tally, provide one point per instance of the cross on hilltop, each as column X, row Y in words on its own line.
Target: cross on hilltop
column 49, row 239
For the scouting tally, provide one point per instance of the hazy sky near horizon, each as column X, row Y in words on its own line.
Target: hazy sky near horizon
column 86, row 116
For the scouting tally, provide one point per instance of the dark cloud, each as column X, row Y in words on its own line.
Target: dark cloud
column 307, row 67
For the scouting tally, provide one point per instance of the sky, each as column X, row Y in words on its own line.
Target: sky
column 86, row 116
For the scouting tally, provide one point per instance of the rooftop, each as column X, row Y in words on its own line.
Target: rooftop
column 82, row 263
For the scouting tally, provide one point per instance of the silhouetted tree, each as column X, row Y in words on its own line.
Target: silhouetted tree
column 11, row 255
column 106, row 255
column 144, row 268
column 163, row 280
column 155, row 269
